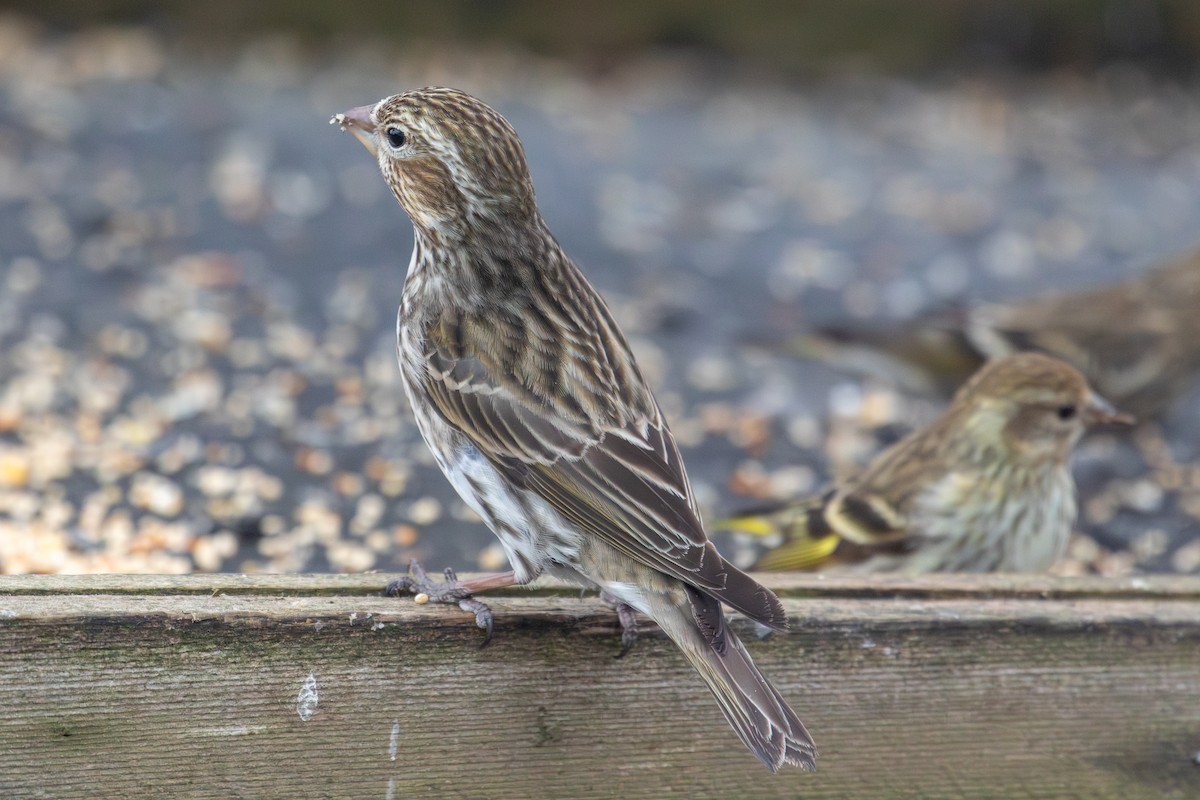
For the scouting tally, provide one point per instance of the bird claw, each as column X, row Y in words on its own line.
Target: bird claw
column 483, row 616
column 628, row 619
column 448, row 591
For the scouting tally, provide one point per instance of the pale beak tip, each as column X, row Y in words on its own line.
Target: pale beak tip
column 357, row 122
column 1103, row 412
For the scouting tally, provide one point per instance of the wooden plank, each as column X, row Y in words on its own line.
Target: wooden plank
column 314, row 686
column 785, row 584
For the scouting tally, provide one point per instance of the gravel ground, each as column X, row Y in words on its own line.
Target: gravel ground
column 198, row 281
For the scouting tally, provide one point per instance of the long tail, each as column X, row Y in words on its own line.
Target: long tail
column 757, row 712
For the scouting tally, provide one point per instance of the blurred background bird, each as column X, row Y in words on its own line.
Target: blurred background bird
column 985, row 487
column 1136, row 341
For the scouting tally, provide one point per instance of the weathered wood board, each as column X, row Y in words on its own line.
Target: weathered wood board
column 316, row 687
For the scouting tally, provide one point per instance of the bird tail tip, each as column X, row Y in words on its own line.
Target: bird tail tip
column 759, row 715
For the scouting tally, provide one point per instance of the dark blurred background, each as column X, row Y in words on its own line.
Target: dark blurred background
column 198, row 276
column 788, row 37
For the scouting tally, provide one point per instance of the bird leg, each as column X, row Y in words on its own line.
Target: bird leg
column 452, row 590
column 627, row 616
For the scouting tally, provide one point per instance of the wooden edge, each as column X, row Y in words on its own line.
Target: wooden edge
column 786, row 585
column 590, row 615
column 337, row 601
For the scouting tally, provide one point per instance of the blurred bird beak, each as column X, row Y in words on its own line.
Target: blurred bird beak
column 358, row 122
column 1099, row 411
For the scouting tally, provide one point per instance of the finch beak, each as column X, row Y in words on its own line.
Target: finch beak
column 358, row 122
column 1099, row 411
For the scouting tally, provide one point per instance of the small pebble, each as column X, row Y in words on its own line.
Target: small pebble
column 1143, row 495
column 804, row 431
column 157, row 494
column 1149, row 544
column 1186, row 559
column 348, row 556
column 14, row 469
column 712, row 373
column 792, row 482
column 313, row 461
column 405, row 535
column 425, row 511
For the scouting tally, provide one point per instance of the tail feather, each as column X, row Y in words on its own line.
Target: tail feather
column 757, row 712
column 751, row 598
column 754, row 708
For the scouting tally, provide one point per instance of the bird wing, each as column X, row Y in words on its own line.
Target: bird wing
column 871, row 508
column 864, row 518
column 576, row 426
column 867, row 515
column 837, row 527
column 806, row 543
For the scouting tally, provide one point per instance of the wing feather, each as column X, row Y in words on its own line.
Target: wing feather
column 588, row 439
column 620, row 477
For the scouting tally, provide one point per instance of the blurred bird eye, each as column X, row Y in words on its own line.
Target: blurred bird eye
column 1066, row 412
column 395, row 137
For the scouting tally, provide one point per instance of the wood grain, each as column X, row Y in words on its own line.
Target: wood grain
column 224, row 686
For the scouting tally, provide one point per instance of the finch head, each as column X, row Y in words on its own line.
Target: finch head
column 451, row 160
column 1033, row 407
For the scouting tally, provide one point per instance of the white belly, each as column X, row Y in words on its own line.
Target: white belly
column 534, row 536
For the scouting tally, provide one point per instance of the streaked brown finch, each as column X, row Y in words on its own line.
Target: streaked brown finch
column 530, row 399
column 984, row 488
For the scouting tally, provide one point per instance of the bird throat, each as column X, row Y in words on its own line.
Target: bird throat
column 466, row 272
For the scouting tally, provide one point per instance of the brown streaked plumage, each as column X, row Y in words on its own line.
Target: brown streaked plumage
column 529, row 397
column 1136, row 341
column 985, row 487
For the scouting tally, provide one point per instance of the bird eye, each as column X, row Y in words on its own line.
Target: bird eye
column 1066, row 412
column 395, row 137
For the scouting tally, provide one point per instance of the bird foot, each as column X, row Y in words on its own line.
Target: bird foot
column 627, row 616
column 453, row 591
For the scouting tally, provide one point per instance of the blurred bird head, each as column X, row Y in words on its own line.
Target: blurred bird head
column 1032, row 407
column 452, row 161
